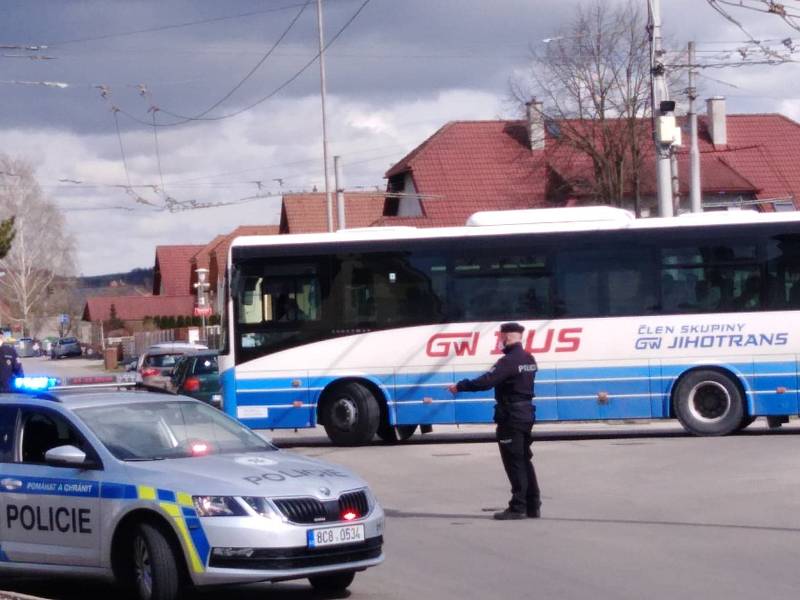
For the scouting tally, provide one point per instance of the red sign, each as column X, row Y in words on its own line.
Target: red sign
column 203, row 311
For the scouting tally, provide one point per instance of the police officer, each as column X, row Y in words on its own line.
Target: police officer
column 10, row 364
column 512, row 379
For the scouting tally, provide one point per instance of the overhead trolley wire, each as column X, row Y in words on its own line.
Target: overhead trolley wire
column 185, row 119
column 170, row 26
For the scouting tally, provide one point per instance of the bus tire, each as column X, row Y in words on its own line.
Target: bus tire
column 746, row 422
column 350, row 414
column 399, row 433
column 709, row 403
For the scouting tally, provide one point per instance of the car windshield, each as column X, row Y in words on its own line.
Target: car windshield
column 162, row 360
column 176, row 429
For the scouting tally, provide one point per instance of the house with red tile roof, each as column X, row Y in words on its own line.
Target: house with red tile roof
column 308, row 213
column 172, row 272
column 470, row 166
column 133, row 311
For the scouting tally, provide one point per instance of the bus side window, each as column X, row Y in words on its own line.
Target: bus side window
column 783, row 272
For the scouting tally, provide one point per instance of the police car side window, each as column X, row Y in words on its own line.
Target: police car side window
column 8, row 420
column 43, row 431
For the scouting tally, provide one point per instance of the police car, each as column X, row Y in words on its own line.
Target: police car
column 162, row 492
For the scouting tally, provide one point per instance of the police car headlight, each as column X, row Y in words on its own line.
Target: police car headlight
column 218, row 506
column 262, row 506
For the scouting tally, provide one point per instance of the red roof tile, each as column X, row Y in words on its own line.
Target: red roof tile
column 307, row 213
column 468, row 166
column 202, row 258
column 136, row 308
column 172, row 274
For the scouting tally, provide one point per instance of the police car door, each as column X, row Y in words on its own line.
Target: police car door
column 49, row 513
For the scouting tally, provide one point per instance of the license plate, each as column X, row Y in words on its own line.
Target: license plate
column 332, row 536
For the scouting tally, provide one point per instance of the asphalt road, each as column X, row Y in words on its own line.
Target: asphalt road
column 630, row 511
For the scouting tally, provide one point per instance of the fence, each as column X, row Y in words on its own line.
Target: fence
column 136, row 344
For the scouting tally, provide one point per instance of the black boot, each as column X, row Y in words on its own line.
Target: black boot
column 509, row 515
column 534, row 510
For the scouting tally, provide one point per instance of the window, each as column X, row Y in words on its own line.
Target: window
column 8, row 422
column 280, row 297
column 493, row 285
column 205, row 365
column 783, row 272
column 42, row 431
column 170, row 429
column 716, row 277
column 605, row 280
column 378, row 290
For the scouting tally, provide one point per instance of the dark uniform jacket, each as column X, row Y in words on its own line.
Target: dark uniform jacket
column 512, row 379
column 10, row 367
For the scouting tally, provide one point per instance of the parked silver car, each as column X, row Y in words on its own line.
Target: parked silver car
column 165, row 492
column 68, row 346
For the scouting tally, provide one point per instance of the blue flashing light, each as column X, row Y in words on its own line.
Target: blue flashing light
column 34, row 384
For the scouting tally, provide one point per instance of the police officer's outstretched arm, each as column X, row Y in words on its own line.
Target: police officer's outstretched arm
column 501, row 370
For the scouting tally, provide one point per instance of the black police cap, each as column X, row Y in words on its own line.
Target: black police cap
column 511, row 328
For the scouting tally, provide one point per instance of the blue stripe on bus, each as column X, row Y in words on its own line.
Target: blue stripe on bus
column 563, row 393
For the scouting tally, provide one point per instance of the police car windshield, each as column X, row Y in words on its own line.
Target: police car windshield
column 177, row 429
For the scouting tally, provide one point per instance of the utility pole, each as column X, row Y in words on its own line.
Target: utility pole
column 339, row 184
column 663, row 151
column 695, row 193
column 328, row 197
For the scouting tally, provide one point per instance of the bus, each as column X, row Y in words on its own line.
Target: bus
column 694, row 317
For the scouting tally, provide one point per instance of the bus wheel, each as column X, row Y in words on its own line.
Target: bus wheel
column 746, row 422
column 399, row 433
column 709, row 403
column 351, row 414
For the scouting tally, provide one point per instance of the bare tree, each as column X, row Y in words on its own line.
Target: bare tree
column 594, row 80
column 41, row 249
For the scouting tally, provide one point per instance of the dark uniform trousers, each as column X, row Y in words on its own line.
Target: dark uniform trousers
column 515, row 442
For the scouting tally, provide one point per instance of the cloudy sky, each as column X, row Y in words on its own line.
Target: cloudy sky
column 398, row 72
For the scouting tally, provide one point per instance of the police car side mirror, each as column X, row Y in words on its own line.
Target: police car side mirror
column 65, row 456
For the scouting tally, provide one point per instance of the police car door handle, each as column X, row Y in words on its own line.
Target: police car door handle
column 11, row 484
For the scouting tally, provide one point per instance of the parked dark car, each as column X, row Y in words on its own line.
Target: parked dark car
column 68, row 346
column 197, row 375
column 156, row 365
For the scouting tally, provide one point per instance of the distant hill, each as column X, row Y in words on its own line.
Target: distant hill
column 140, row 278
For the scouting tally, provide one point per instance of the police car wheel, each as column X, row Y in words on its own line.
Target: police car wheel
column 154, row 571
column 337, row 582
column 708, row 403
column 350, row 414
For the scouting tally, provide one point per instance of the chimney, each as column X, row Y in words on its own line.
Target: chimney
column 717, row 126
column 534, row 110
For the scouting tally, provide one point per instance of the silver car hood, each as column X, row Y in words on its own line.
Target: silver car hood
column 267, row 474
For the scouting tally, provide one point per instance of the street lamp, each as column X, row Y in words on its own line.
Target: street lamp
column 202, row 307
